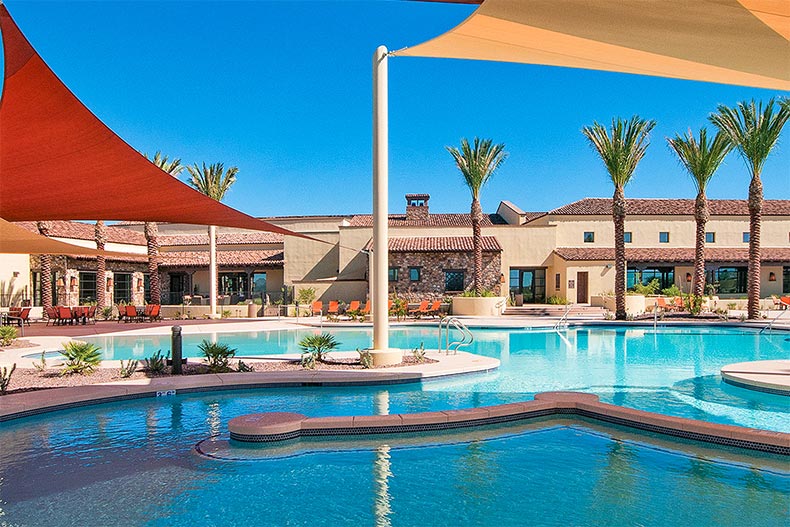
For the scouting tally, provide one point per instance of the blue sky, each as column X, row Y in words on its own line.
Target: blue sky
column 283, row 91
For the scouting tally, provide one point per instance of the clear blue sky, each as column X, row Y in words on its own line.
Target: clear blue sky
column 283, row 91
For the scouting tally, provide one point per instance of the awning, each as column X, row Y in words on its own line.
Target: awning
column 18, row 240
column 58, row 161
column 742, row 42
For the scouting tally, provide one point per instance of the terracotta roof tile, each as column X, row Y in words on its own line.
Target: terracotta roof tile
column 84, row 231
column 662, row 207
column 434, row 220
column 438, row 244
column 223, row 238
column 674, row 255
column 266, row 258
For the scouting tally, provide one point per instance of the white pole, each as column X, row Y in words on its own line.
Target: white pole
column 379, row 274
column 212, row 269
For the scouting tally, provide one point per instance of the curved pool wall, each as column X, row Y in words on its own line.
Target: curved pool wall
column 134, row 463
column 674, row 371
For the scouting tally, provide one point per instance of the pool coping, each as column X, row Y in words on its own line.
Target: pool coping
column 770, row 376
column 283, row 426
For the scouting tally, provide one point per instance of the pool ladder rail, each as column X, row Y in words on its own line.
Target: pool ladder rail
column 770, row 325
column 563, row 321
column 449, row 323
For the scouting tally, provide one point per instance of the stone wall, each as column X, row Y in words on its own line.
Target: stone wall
column 432, row 267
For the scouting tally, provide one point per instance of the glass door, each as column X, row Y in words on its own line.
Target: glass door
column 530, row 284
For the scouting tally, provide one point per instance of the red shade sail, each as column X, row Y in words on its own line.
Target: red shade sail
column 58, row 161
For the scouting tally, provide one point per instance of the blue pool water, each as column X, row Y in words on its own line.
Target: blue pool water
column 673, row 371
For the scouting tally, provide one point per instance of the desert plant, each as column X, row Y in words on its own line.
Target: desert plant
column 243, row 367
column 106, row 312
column 306, row 295
column 400, row 307
column 41, row 365
column 81, row 358
column 557, row 300
column 650, row 289
column 693, row 303
column 156, row 363
column 8, row 335
column 419, row 353
column 317, row 346
column 672, row 290
column 308, row 361
column 5, row 378
column 365, row 358
column 226, row 313
column 217, row 355
column 128, row 369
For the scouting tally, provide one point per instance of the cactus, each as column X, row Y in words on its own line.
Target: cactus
column 128, row 369
column 5, row 378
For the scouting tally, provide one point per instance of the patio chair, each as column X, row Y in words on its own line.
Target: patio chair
column 20, row 317
column 435, row 309
column 91, row 314
column 317, row 308
column 417, row 312
column 679, row 305
column 353, row 306
column 64, row 315
column 333, row 310
column 366, row 309
column 663, row 305
column 52, row 316
column 153, row 315
column 785, row 302
column 130, row 314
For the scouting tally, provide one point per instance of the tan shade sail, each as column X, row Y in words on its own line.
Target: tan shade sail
column 59, row 162
column 18, row 240
column 743, row 42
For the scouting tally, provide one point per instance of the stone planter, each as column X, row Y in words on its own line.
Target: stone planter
column 479, row 306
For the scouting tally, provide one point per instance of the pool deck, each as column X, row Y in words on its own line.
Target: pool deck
column 772, row 376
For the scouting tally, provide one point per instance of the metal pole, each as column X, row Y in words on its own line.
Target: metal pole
column 212, row 269
column 175, row 347
column 379, row 269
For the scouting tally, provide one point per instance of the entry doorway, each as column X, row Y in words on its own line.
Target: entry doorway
column 530, row 283
column 582, row 279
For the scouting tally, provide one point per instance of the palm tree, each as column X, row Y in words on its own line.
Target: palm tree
column 100, row 234
column 46, row 268
column 701, row 159
column 477, row 164
column 213, row 181
column 754, row 130
column 620, row 153
column 151, row 229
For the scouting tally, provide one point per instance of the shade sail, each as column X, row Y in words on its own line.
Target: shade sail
column 60, row 162
column 18, row 240
column 744, row 42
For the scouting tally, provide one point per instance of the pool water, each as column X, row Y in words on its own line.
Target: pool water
column 134, row 463
column 673, row 371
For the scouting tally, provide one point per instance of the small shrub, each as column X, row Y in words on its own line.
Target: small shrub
column 41, row 365
column 649, row 289
column 316, row 346
column 608, row 315
column 473, row 293
column 308, row 361
column 400, row 307
column 8, row 335
column 557, row 300
column 106, row 313
column 732, row 305
column 217, row 356
column 672, row 291
column 419, row 353
column 156, row 363
column 128, row 369
column 5, row 378
column 743, row 317
column 243, row 367
column 226, row 313
column 81, row 358
column 365, row 358
column 306, row 295
column 693, row 304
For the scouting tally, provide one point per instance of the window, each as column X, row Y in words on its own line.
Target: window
column 414, row 274
column 122, row 287
column 147, row 289
column 745, row 237
column 557, row 281
column 728, row 280
column 710, row 237
column 663, row 237
column 665, row 276
column 786, row 280
column 627, row 237
column 233, row 283
column 453, row 280
column 589, row 237
column 87, row 288
column 393, row 274
column 416, row 203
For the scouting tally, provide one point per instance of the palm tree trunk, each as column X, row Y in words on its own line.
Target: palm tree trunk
column 618, row 215
column 151, row 236
column 477, row 245
column 701, row 216
column 100, row 234
column 755, row 218
column 46, row 269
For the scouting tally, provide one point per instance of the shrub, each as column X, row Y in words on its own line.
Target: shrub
column 365, row 358
column 243, row 367
column 306, row 295
column 8, row 335
column 557, row 300
column 315, row 347
column 226, row 313
column 217, row 356
column 472, row 292
column 41, row 365
column 156, row 363
column 128, row 369
column 419, row 353
column 106, row 313
column 693, row 304
column 400, row 307
column 649, row 289
column 5, row 378
column 81, row 358
column 672, row 290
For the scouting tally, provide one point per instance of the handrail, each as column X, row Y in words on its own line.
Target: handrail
column 777, row 317
column 563, row 319
column 655, row 316
column 467, row 338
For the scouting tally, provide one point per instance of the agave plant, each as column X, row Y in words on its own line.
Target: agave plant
column 81, row 358
column 8, row 335
column 5, row 378
column 217, row 356
column 156, row 363
column 315, row 347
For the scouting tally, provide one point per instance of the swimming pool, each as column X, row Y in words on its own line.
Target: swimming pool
column 674, row 371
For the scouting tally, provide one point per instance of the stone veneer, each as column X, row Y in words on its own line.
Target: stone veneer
column 433, row 265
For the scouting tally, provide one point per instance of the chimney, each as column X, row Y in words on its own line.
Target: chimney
column 417, row 207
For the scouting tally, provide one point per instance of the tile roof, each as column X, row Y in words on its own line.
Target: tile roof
column 265, row 258
column 84, row 231
column 662, row 207
column 674, row 255
column 438, row 244
column 433, row 220
column 223, row 238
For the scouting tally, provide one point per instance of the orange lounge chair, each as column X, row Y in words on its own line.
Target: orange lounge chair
column 784, row 302
column 353, row 306
column 435, row 309
column 318, row 308
column 662, row 304
column 679, row 305
column 64, row 315
column 366, row 309
column 333, row 309
column 418, row 311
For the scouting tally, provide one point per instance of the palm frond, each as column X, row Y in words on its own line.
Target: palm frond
column 173, row 167
column 701, row 158
column 478, row 163
column 623, row 148
column 212, row 180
